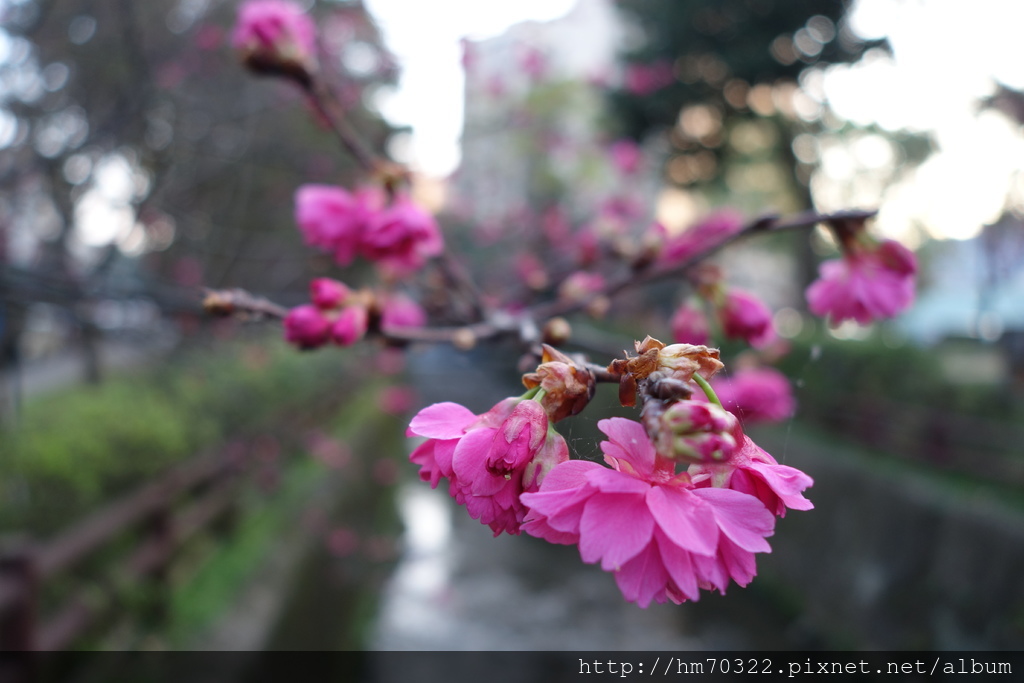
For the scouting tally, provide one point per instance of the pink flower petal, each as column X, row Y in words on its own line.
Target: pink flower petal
column 742, row 518
column 679, row 565
column 787, row 483
column 614, row 528
column 737, row 562
column 613, row 481
column 643, row 578
column 441, row 421
column 469, row 462
column 685, row 519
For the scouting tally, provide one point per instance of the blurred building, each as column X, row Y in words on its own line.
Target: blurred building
column 533, row 85
column 972, row 288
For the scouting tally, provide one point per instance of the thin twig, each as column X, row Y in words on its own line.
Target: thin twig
column 326, row 104
column 504, row 324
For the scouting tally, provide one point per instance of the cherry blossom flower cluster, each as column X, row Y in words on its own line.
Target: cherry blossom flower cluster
column 338, row 315
column 683, row 500
column 873, row 280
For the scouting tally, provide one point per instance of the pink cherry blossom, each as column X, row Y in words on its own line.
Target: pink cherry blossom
column 333, row 220
column 661, row 537
column 494, row 465
column 275, row 31
column 401, row 237
column 400, row 311
column 690, row 326
column 744, row 316
column 752, row 471
column 865, row 285
column 327, row 293
column 756, row 395
column 443, row 424
column 698, row 239
column 307, row 327
column 488, row 459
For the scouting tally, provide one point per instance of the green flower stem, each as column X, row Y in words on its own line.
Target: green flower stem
column 708, row 391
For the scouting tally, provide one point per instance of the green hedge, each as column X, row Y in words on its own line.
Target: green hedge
column 79, row 447
column 829, row 372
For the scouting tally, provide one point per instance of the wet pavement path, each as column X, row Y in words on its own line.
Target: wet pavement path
column 459, row 588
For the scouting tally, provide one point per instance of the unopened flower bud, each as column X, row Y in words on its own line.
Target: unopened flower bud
column 552, row 452
column 306, row 327
column 556, row 332
column 696, row 431
column 464, row 339
column 518, row 439
column 350, row 326
column 327, row 294
column 276, row 37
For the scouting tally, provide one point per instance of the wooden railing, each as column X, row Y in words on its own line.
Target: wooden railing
column 163, row 516
column 200, row 494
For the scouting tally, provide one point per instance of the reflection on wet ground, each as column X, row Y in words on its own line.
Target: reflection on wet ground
column 458, row 588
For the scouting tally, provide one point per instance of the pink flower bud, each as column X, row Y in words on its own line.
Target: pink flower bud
column 350, row 326
column 276, row 37
column 690, row 326
column 744, row 316
column 518, row 439
column 696, row 431
column 306, row 327
column 553, row 451
column 327, row 293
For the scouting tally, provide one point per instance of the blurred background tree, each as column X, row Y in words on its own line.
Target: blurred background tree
column 139, row 162
column 737, row 89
